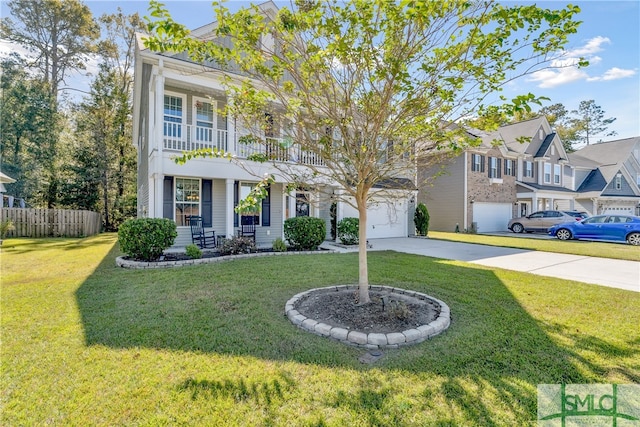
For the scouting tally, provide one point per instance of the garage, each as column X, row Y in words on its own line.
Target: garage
column 491, row 216
column 384, row 218
column 620, row 210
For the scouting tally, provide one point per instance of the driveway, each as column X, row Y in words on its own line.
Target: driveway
column 599, row 271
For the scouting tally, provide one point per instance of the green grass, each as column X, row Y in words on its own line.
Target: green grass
column 87, row 343
column 576, row 247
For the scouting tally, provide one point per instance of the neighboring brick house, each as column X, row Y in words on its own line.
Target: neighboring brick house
column 516, row 170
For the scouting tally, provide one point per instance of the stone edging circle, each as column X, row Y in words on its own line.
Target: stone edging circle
column 129, row 263
column 371, row 340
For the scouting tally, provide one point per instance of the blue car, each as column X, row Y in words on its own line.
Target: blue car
column 618, row 228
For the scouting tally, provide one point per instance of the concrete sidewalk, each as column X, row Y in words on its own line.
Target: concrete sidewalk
column 599, row 271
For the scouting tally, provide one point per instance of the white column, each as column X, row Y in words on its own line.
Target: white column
column 229, row 209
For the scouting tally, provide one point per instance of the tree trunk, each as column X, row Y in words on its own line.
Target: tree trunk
column 363, row 268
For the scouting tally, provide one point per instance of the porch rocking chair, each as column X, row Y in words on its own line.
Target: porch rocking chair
column 248, row 227
column 203, row 239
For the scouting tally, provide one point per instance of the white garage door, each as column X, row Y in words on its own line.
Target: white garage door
column 491, row 216
column 384, row 219
column 622, row 210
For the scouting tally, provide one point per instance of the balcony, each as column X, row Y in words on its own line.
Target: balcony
column 179, row 137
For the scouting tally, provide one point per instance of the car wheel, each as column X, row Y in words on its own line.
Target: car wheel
column 517, row 228
column 634, row 239
column 563, row 234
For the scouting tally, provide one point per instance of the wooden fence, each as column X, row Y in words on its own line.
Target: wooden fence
column 52, row 222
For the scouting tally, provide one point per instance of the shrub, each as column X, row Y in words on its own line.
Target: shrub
column 146, row 238
column 238, row 245
column 348, row 230
column 193, row 251
column 304, row 232
column 279, row 246
column 6, row 226
column 421, row 219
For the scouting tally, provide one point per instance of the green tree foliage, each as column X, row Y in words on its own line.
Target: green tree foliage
column 371, row 85
column 29, row 123
column 101, row 173
column 421, row 219
column 60, row 35
column 590, row 121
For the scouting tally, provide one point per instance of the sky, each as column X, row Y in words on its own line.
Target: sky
column 609, row 38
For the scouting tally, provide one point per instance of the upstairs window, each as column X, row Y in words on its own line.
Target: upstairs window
column 494, row 167
column 547, row 173
column 509, row 167
column 173, row 115
column 556, row 174
column 477, row 163
column 204, row 121
column 617, row 183
column 528, row 169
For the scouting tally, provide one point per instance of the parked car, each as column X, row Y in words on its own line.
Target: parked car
column 618, row 228
column 543, row 220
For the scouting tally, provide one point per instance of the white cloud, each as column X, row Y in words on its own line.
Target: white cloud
column 614, row 73
column 564, row 69
column 555, row 77
column 592, row 46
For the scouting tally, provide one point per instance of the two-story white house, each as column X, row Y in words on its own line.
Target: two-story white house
column 177, row 105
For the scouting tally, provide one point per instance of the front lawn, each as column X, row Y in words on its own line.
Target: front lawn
column 87, row 343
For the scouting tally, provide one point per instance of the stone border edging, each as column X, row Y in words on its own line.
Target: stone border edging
column 371, row 340
column 128, row 263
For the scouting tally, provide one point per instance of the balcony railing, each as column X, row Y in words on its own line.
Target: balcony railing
column 179, row 137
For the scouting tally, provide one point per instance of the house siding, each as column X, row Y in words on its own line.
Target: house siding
column 444, row 196
column 625, row 188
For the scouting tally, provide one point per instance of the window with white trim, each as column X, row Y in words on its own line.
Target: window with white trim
column 173, row 116
column 509, row 168
column 205, row 118
column 477, row 164
column 528, row 169
column 547, row 173
column 494, row 167
column 245, row 190
column 187, row 200
column 618, row 182
column 556, row 174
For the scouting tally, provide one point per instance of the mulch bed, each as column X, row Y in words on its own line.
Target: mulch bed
column 387, row 312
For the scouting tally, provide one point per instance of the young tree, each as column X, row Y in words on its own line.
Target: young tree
column 370, row 87
column 590, row 121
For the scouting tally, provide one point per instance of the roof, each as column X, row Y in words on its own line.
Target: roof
column 511, row 133
column 608, row 156
column 396, row 184
column 545, row 145
column 536, row 186
column 593, row 182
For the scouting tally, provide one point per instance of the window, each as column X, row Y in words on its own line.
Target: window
column 477, row 163
column 556, row 174
column 303, row 204
column 528, row 169
column 173, row 116
column 245, row 190
column 617, row 183
column 205, row 117
column 510, row 167
column 187, row 199
column 494, row 167
column 553, row 150
column 547, row 173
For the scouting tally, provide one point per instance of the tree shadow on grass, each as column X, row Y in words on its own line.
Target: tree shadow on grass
column 493, row 345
